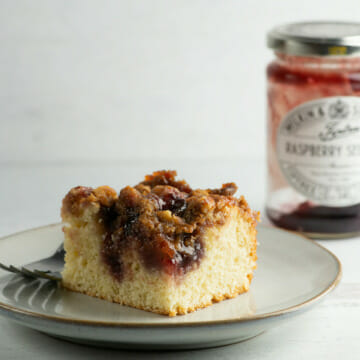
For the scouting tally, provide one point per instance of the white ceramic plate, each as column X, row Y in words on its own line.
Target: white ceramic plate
column 293, row 274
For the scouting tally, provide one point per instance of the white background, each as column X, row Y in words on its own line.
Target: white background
column 94, row 80
column 102, row 92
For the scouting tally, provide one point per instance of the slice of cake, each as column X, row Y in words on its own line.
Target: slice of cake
column 160, row 245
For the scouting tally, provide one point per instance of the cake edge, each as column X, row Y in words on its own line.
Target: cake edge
column 180, row 310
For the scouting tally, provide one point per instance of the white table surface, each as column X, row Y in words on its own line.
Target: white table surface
column 31, row 196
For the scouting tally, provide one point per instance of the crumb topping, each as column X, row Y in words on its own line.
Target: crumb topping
column 165, row 219
column 162, row 217
column 80, row 197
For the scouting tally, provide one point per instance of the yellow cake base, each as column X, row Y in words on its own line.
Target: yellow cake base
column 224, row 272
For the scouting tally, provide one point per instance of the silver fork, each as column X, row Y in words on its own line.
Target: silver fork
column 48, row 268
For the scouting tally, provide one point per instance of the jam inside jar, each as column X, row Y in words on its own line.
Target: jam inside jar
column 313, row 164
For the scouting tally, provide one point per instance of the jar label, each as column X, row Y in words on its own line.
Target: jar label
column 318, row 148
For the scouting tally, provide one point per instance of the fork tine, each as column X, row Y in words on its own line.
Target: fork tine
column 2, row 266
column 15, row 270
column 47, row 275
column 22, row 271
column 12, row 269
column 28, row 273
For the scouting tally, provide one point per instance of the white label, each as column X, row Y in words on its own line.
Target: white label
column 318, row 148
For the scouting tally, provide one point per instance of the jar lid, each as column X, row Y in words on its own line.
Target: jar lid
column 316, row 38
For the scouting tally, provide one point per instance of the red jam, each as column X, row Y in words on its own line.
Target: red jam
column 292, row 82
column 164, row 219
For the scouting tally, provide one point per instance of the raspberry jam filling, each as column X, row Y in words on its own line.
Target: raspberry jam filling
column 318, row 219
column 164, row 220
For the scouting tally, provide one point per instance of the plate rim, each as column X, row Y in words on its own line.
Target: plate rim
column 10, row 310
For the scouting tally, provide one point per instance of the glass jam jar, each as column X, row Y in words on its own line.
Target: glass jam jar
column 314, row 128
